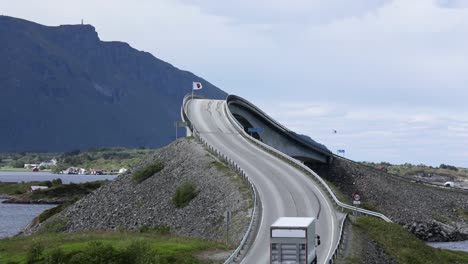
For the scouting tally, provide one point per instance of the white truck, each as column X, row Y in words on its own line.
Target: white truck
column 293, row 241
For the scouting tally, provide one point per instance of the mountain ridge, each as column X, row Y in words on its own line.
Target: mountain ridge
column 63, row 88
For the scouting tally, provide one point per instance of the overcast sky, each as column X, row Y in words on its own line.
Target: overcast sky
column 390, row 76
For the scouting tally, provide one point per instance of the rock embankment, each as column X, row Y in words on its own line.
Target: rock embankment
column 431, row 213
column 126, row 204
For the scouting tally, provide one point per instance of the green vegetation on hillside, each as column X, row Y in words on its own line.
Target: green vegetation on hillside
column 403, row 246
column 109, row 159
column 408, row 169
column 16, row 161
column 102, row 248
column 56, row 190
column 184, row 194
column 147, row 171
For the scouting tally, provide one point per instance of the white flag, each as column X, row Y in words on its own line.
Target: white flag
column 197, row 86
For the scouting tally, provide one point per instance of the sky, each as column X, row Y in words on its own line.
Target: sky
column 390, row 76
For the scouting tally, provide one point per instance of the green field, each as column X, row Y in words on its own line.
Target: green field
column 9, row 168
column 103, row 248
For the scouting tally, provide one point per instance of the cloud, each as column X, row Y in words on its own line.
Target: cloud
column 453, row 3
column 295, row 11
column 378, row 133
column 390, row 76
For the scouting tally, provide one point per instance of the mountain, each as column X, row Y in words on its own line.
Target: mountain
column 62, row 88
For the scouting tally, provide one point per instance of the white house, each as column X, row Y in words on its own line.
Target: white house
column 122, row 170
column 33, row 188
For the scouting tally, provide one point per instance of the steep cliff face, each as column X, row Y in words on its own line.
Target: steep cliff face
column 62, row 88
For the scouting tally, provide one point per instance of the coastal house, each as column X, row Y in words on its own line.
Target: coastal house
column 96, row 172
column 37, row 187
column 122, row 170
column 48, row 164
column 31, row 165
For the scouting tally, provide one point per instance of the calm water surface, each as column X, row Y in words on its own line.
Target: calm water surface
column 7, row 176
column 15, row 217
column 461, row 246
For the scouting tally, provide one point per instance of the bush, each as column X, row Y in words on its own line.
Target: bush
column 34, row 253
column 55, row 256
column 448, row 167
column 148, row 171
column 55, row 225
column 138, row 252
column 56, row 182
column 184, row 194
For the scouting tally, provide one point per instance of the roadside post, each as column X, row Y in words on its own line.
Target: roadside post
column 178, row 124
column 356, row 201
column 228, row 220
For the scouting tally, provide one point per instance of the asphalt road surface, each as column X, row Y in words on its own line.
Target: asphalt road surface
column 283, row 189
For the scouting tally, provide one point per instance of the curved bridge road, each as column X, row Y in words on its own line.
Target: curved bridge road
column 283, row 189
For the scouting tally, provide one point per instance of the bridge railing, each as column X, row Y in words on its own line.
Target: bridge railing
column 301, row 166
column 235, row 167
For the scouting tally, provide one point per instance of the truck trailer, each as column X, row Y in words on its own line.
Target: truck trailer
column 293, row 241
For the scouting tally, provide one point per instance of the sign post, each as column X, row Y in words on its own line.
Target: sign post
column 178, row 124
column 228, row 220
column 356, row 201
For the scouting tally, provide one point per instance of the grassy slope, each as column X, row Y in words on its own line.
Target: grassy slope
column 15, row 249
column 410, row 170
column 405, row 247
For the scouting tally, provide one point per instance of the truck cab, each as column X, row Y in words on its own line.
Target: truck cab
column 293, row 241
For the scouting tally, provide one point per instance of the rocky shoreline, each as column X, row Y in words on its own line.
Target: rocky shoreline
column 12, row 200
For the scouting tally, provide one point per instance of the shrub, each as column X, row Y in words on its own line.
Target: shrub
column 55, row 225
column 184, row 194
column 57, row 181
column 138, row 252
column 96, row 252
column 55, row 256
column 34, row 253
column 148, row 171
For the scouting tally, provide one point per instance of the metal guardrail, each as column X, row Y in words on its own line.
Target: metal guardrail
column 303, row 167
column 234, row 166
column 281, row 155
column 308, row 170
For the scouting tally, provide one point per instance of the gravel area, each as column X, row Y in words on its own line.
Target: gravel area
column 126, row 204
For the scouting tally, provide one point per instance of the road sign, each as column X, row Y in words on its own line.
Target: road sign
column 255, row 129
column 356, row 202
column 356, row 197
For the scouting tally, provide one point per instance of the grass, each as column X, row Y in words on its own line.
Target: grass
column 404, row 247
column 148, row 171
column 184, row 194
column 14, row 169
column 63, row 191
column 220, row 166
column 168, row 248
column 462, row 213
column 15, row 188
